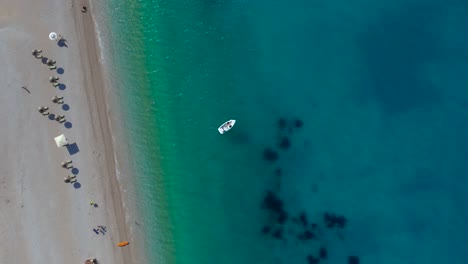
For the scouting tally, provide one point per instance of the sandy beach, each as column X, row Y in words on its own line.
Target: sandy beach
column 43, row 219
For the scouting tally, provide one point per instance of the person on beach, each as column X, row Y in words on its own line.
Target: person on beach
column 84, row 9
column 51, row 63
column 43, row 110
column 37, row 53
column 60, row 118
column 57, row 100
column 67, row 164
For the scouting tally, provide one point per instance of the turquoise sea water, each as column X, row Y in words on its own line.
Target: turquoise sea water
column 380, row 89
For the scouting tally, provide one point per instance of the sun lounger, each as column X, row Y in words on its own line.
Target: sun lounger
column 66, row 165
column 91, row 261
column 52, row 67
column 70, row 179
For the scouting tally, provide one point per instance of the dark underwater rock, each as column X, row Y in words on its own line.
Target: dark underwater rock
column 278, row 234
column 307, row 235
column 282, row 123
column 303, row 219
column 283, row 216
column 298, row 123
column 323, row 253
column 340, row 221
column 266, row 230
column 270, row 155
column 353, row 260
column 275, row 205
column 272, row 203
column 278, row 172
column 332, row 220
column 312, row 260
column 285, row 143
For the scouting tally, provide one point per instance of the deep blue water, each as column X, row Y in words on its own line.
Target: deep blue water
column 373, row 95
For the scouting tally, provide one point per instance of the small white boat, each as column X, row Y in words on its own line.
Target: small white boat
column 226, row 126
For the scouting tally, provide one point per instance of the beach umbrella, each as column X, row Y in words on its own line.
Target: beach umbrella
column 53, row 36
column 61, row 141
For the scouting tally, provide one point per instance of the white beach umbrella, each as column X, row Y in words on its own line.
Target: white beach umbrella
column 53, row 36
column 61, row 141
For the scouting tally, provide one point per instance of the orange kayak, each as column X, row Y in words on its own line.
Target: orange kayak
column 123, row 244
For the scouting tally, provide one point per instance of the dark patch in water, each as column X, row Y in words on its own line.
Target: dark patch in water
column 306, row 235
column 397, row 48
column 303, row 219
column 282, row 123
column 312, row 260
column 353, row 260
column 275, row 205
column 298, row 123
column 332, row 220
column 270, row 155
column 285, row 143
column 278, row 172
column 266, row 230
column 241, row 138
column 278, row 234
column 323, row 253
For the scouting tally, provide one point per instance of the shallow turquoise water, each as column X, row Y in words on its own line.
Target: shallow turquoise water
column 378, row 86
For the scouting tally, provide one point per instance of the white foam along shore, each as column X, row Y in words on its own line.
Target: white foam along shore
column 43, row 219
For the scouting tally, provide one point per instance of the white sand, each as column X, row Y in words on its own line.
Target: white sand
column 43, row 219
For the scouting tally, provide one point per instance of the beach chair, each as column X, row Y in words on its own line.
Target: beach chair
column 66, row 165
column 52, row 67
column 55, row 84
column 57, row 99
column 43, row 110
column 70, row 179
column 60, row 118
column 36, row 53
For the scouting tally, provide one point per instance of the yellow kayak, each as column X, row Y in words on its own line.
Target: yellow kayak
column 123, row 244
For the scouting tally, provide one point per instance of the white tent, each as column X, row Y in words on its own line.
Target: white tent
column 61, row 141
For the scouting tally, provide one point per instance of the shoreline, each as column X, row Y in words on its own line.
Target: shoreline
column 49, row 221
column 92, row 48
